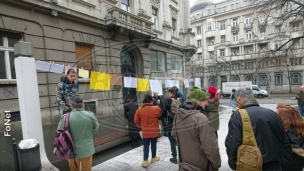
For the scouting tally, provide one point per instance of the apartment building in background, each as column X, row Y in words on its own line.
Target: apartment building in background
column 234, row 43
column 144, row 39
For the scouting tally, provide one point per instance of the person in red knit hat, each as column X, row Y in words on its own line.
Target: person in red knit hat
column 212, row 108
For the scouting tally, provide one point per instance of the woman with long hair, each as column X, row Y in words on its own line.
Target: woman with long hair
column 212, row 109
column 66, row 88
column 294, row 128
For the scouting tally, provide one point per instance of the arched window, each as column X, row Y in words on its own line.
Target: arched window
column 249, row 78
column 278, row 79
column 296, row 78
column 263, row 80
column 235, row 79
column 212, row 82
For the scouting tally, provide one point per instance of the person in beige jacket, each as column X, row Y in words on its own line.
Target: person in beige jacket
column 197, row 141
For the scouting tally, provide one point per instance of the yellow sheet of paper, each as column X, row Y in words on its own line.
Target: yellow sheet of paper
column 142, row 85
column 93, row 80
column 83, row 73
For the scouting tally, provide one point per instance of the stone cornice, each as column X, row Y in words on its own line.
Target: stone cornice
column 143, row 13
column 155, row 3
column 166, row 24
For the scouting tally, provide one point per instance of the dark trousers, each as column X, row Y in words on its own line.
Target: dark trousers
column 173, row 144
column 146, row 142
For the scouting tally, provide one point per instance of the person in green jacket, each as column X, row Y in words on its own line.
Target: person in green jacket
column 212, row 109
column 83, row 124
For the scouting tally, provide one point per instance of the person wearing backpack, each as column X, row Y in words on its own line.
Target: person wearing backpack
column 197, row 142
column 172, row 107
column 66, row 88
column 82, row 125
column 254, row 131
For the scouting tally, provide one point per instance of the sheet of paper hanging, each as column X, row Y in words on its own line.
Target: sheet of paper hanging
column 186, row 83
column 83, row 73
column 57, row 68
column 127, row 82
column 43, row 66
column 116, row 79
column 197, row 82
column 156, row 86
column 133, row 82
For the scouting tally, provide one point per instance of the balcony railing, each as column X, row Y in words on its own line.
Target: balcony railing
column 235, row 28
column 127, row 18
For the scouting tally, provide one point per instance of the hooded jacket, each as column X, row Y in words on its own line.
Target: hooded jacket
column 196, row 138
column 268, row 130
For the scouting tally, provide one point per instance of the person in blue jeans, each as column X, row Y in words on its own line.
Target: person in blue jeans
column 300, row 98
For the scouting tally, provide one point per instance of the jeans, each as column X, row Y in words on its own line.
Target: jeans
column 301, row 110
column 173, row 145
column 146, row 142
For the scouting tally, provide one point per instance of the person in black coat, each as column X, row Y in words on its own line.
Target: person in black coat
column 130, row 109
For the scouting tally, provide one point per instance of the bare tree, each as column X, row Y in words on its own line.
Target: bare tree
column 281, row 13
column 253, row 66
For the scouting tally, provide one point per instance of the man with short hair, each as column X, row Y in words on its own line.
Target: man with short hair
column 82, row 125
column 300, row 98
column 267, row 127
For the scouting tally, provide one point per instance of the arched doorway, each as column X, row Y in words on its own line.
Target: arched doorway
column 131, row 59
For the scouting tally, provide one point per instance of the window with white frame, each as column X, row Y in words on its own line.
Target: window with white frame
column 235, row 22
column 235, row 79
column 173, row 22
column 296, row 78
column 212, row 82
column 235, row 66
column 223, row 39
column 248, row 35
column 209, row 12
column 278, row 79
column 154, row 18
column 198, row 30
column 262, row 20
column 277, row 29
column 7, row 66
column 211, row 55
column 224, row 9
column 158, row 60
column 295, row 26
column 199, row 43
column 233, row 6
column 210, row 41
column 248, row 65
column 222, row 25
column 222, row 52
column 248, row 20
column 235, row 37
column 263, row 80
column 176, row 64
column 210, row 26
column 234, row 51
column 199, row 57
column 278, row 44
column 125, row 5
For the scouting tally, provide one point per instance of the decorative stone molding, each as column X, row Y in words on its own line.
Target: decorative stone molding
column 85, row 3
column 157, row 31
column 112, row 1
column 173, row 11
column 155, row 3
column 143, row 13
column 174, row 1
column 166, row 24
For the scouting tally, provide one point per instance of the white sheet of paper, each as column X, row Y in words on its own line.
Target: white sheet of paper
column 186, row 83
column 43, row 66
column 171, row 83
column 168, row 83
column 127, row 82
column 197, row 82
column 83, row 73
column 156, row 86
column 175, row 83
column 140, row 133
column 133, row 82
column 57, row 68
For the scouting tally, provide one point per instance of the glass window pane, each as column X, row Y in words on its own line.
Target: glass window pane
column 2, row 65
column 1, row 41
column 12, row 65
column 12, row 41
column 161, row 61
column 153, row 60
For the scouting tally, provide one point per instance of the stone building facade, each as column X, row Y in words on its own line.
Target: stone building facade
column 139, row 38
column 234, row 43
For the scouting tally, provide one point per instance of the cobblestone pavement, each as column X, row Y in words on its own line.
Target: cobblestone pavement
column 131, row 160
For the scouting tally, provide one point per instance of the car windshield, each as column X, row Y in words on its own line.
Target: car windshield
column 258, row 87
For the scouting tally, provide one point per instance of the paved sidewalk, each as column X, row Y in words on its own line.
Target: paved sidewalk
column 131, row 160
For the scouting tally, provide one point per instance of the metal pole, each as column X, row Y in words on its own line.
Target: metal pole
column 15, row 154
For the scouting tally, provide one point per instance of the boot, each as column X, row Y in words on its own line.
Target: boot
column 144, row 163
column 155, row 159
column 173, row 160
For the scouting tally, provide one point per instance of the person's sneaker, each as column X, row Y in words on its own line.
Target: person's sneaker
column 173, row 160
column 155, row 159
column 144, row 163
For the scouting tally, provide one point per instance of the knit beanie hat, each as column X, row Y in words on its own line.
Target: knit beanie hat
column 197, row 94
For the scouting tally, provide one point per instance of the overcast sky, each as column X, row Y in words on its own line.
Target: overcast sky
column 215, row 1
